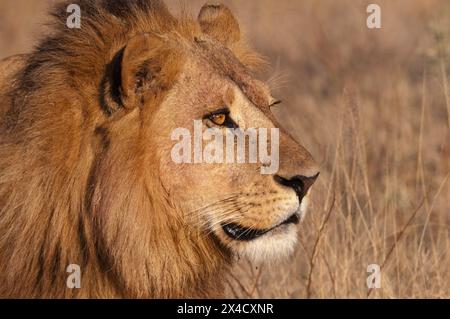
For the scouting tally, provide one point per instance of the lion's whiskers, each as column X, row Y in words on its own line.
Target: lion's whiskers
column 229, row 220
column 225, row 211
column 230, row 197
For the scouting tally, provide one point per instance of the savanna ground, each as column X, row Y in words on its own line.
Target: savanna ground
column 373, row 106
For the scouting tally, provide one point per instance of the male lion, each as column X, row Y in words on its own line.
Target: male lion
column 86, row 174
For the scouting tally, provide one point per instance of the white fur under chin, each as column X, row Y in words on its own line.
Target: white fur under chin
column 275, row 245
column 271, row 247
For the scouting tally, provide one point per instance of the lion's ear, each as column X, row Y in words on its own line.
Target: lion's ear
column 149, row 67
column 217, row 21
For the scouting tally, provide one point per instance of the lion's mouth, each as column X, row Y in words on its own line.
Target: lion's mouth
column 240, row 233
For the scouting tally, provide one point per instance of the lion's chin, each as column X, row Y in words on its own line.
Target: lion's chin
column 277, row 244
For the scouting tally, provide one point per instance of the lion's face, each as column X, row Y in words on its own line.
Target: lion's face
column 249, row 212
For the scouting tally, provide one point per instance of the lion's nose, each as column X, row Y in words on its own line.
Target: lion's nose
column 300, row 184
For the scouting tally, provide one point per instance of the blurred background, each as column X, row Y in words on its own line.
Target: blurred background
column 373, row 106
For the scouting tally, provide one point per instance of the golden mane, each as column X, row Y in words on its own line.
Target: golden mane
column 55, row 195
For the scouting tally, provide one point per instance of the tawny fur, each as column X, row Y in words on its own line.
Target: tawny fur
column 79, row 183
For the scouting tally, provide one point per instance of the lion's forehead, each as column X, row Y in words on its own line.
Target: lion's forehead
column 223, row 62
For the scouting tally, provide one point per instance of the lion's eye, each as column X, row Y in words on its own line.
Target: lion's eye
column 218, row 119
column 221, row 118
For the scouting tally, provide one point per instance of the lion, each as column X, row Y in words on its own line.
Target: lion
column 86, row 174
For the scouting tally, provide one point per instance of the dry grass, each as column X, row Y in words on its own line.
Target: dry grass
column 373, row 106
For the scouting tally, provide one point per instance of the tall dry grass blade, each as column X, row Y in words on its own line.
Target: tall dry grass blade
column 241, row 285
column 256, row 282
column 330, row 274
column 397, row 240
column 420, row 175
column 430, row 210
column 233, row 290
column 315, row 249
column 445, row 85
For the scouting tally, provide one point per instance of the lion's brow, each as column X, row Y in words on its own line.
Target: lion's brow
column 222, row 60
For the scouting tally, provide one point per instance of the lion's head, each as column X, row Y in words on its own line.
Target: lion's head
column 88, row 174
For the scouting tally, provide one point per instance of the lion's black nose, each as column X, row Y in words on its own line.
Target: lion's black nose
column 301, row 184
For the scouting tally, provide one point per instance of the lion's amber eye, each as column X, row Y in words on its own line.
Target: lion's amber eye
column 219, row 119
